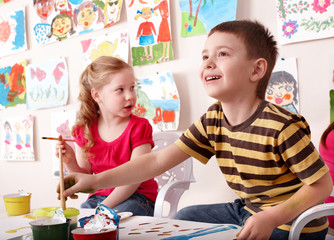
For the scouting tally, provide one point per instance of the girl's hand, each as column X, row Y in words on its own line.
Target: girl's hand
column 78, row 182
column 67, row 152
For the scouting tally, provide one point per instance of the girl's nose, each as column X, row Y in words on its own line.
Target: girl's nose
column 209, row 63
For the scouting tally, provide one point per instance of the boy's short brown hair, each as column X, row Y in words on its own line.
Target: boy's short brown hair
column 259, row 43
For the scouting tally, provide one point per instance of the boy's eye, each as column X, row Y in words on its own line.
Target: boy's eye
column 222, row 54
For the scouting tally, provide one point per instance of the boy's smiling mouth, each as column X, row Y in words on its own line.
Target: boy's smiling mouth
column 210, row 78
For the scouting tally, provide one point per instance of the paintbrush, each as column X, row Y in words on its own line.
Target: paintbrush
column 61, row 178
column 65, row 139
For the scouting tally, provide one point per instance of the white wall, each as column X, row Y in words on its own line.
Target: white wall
column 315, row 66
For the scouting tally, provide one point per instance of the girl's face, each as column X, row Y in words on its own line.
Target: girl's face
column 118, row 97
column 86, row 17
column 44, row 8
column 61, row 26
column 146, row 14
column 281, row 94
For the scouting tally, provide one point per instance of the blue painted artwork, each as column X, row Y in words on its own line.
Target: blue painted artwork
column 199, row 17
column 12, row 33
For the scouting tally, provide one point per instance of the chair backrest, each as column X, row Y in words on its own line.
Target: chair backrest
column 183, row 171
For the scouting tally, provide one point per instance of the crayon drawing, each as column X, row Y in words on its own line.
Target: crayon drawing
column 12, row 85
column 150, row 31
column 47, row 84
column 61, row 124
column 115, row 44
column 158, row 101
column 283, row 85
column 199, row 17
column 16, row 138
column 302, row 20
column 57, row 20
column 12, row 33
column 4, row 1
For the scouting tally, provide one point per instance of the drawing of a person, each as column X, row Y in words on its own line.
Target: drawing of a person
column 26, row 128
column 60, row 26
column 164, row 35
column 44, row 9
column 85, row 16
column 145, row 32
column 282, row 90
column 8, row 138
column 64, row 7
column 19, row 140
column 111, row 12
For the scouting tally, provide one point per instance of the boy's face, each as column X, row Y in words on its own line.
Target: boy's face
column 226, row 69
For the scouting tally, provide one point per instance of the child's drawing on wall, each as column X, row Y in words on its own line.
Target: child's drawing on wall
column 146, row 32
column 43, row 8
column 12, row 32
column 64, row 7
column 17, row 144
column 13, row 85
column 282, row 90
column 86, row 15
column 158, row 101
column 147, row 44
column 61, row 25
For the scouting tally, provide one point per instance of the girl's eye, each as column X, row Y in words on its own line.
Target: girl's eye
column 288, row 88
column 119, row 90
column 204, row 57
column 132, row 88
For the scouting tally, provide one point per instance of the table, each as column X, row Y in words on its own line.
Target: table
column 135, row 227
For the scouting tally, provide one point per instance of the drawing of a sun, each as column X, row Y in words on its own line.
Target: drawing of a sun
column 7, row 30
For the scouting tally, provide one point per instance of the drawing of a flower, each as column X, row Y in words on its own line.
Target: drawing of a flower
column 321, row 5
column 189, row 28
column 290, row 28
column 186, row 25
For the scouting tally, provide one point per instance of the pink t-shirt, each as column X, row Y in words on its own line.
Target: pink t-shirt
column 328, row 156
column 109, row 155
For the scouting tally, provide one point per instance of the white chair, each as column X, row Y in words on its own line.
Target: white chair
column 173, row 182
column 317, row 211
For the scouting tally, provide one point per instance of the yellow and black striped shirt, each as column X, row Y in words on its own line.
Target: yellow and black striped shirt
column 265, row 160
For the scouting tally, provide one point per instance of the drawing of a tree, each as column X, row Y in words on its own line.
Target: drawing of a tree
column 190, row 9
column 197, row 10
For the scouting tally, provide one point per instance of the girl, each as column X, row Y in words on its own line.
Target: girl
column 326, row 150
column 87, row 15
column 108, row 135
column 145, row 32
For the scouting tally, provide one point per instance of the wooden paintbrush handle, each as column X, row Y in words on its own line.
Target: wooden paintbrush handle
column 61, row 180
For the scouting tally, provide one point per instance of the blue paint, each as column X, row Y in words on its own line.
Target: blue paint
column 19, row 29
column 203, row 232
column 4, row 87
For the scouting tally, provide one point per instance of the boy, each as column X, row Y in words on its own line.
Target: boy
column 263, row 150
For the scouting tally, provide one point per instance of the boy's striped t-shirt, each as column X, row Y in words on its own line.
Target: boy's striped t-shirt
column 265, row 160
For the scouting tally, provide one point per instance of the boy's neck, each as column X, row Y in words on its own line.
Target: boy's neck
column 238, row 112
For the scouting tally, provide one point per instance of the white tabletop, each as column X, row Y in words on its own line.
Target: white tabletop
column 135, row 227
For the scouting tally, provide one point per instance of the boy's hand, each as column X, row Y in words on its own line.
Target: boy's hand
column 257, row 227
column 78, row 182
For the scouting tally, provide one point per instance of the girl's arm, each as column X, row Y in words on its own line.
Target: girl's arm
column 263, row 223
column 137, row 170
column 122, row 193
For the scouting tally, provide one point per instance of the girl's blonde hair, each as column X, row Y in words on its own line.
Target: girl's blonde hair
column 139, row 13
column 96, row 75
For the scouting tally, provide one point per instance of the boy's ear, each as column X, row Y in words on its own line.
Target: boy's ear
column 259, row 70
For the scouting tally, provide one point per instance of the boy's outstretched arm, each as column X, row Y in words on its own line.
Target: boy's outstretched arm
column 137, row 170
column 261, row 224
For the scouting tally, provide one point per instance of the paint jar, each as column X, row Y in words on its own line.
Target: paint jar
column 70, row 213
column 82, row 234
column 43, row 229
column 17, row 203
